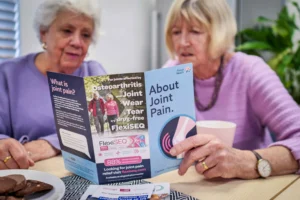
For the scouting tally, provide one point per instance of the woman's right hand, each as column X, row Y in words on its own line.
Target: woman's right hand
column 13, row 155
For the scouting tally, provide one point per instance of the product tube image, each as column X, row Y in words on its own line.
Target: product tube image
column 184, row 126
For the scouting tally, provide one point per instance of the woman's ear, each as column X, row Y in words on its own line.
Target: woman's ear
column 43, row 36
column 43, row 39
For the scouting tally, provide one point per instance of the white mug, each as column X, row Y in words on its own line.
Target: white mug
column 224, row 130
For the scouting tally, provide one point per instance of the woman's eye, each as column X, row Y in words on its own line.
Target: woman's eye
column 176, row 32
column 87, row 36
column 195, row 31
column 67, row 31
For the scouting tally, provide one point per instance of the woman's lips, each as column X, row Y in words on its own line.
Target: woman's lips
column 73, row 55
column 186, row 54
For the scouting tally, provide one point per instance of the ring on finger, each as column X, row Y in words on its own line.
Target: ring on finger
column 7, row 159
column 204, row 165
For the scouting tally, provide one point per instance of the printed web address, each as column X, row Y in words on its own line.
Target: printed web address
column 123, row 176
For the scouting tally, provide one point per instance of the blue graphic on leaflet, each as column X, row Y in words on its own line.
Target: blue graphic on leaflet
column 170, row 113
column 80, row 166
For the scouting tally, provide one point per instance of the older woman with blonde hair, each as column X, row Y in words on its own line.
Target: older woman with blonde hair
column 65, row 28
column 112, row 112
column 231, row 86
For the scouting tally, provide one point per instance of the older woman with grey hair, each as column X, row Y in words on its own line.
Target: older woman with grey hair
column 231, row 86
column 65, row 28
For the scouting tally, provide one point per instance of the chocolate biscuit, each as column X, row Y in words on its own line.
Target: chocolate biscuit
column 33, row 186
column 14, row 198
column 11, row 198
column 20, row 179
column 6, row 185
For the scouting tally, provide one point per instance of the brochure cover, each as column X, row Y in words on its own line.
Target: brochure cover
column 121, row 127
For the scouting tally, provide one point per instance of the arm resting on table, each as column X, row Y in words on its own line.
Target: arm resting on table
column 281, row 159
column 43, row 148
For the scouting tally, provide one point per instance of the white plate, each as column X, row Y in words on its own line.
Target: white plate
column 56, row 193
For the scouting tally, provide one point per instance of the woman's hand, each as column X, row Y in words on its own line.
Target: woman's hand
column 215, row 159
column 13, row 155
column 40, row 150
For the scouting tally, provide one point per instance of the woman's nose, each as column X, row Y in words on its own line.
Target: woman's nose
column 76, row 40
column 184, row 39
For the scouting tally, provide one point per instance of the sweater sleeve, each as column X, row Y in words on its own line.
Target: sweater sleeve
column 275, row 108
column 94, row 69
column 102, row 106
column 5, row 118
column 105, row 108
column 3, row 129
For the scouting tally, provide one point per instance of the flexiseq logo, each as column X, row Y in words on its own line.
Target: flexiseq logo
column 187, row 69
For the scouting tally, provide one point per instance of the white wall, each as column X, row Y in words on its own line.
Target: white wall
column 125, row 44
column 249, row 10
column 28, row 39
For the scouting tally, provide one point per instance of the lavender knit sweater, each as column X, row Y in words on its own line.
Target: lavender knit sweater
column 253, row 97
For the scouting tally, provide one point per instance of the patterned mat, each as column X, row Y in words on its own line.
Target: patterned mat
column 76, row 186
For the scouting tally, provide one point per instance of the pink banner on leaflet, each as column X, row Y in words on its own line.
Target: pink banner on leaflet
column 123, row 161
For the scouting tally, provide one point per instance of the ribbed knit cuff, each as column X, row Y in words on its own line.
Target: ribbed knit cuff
column 2, row 136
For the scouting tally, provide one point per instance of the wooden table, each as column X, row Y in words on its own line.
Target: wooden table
column 280, row 187
column 291, row 192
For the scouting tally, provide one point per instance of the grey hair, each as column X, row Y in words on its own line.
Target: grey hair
column 48, row 10
column 96, row 93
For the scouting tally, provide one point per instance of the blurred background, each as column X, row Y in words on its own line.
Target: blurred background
column 132, row 38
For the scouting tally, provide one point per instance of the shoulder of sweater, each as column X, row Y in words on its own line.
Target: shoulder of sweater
column 260, row 76
column 15, row 63
column 247, row 61
column 241, row 62
column 239, row 58
column 247, row 64
column 94, row 68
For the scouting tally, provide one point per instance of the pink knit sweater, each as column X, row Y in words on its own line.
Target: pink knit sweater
column 111, row 108
column 253, row 97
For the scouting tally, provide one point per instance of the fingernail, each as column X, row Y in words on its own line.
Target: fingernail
column 173, row 152
column 180, row 173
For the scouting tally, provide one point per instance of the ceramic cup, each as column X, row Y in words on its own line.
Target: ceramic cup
column 224, row 130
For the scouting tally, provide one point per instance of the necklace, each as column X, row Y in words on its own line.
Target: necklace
column 214, row 97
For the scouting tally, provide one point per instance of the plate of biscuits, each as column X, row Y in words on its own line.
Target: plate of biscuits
column 21, row 184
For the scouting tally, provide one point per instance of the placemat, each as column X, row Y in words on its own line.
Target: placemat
column 76, row 186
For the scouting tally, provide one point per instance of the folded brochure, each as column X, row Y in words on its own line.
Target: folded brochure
column 121, row 127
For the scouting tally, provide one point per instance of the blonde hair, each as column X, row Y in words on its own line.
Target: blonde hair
column 110, row 96
column 214, row 15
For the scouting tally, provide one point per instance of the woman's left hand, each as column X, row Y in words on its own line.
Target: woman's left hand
column 215, row 159
column 40, row 150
